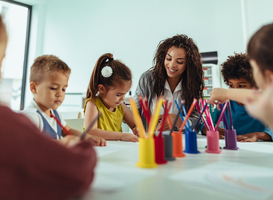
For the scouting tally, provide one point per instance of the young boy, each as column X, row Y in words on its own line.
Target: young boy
column 48, row 81
column 237, row 73
column 35, row 167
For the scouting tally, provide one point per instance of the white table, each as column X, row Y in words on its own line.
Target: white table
column 243, row 174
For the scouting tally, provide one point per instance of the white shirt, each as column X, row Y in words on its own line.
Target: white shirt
column 176, row 95
column 31, row 112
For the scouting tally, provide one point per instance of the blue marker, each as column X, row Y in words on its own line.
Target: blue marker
column 181, row 116
column 185, row 113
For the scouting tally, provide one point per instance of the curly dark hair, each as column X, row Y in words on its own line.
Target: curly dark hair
column 237, row 67
column 192, row 77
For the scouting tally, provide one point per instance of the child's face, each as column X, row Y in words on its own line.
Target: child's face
column 260, row 80
column 114, row 96
column 175, row 62
column 239, row 83
column 50, row 93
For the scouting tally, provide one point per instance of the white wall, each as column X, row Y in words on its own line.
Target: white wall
column 79, row 31
column 259, row 13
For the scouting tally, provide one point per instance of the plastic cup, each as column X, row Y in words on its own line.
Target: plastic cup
column 177, row 145
column 159, row 150
column 213, row 142
column 191, row 142
column 168, row 143
column 146, row 153
column 231, row 140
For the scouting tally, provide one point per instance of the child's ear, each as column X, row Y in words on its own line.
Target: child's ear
column 33, row 86
column 101, row 88
column 269, row 75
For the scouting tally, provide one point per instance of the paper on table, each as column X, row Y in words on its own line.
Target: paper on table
column 243, row 180
column 112, row 178
column 110, row 148
column 255, row 146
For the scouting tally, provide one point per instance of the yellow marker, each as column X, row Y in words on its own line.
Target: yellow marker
column 154, row 118
column 137, row 118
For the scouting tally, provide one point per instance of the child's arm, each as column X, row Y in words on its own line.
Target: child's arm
column 222, row 95
column 128, row 117
column 253, row 137
column 91, row 112
column 95, row 140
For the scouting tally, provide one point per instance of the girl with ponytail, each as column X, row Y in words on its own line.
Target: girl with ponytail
column 109, row 82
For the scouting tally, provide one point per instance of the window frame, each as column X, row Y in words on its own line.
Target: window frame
column 26, row 53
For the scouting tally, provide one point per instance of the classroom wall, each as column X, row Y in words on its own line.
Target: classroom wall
column 79, row 31
column 259, row 13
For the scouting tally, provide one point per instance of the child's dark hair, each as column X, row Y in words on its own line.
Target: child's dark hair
column 260, row 48
column 237, row 67
column 120, row 73
column 46, row 64
column 192, row 77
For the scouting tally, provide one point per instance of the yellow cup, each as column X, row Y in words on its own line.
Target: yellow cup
column 146, row 153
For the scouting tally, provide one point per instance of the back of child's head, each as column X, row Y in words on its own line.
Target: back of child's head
column 260, row 48
column 47, row 64
column 237, row 67
column 108, row 72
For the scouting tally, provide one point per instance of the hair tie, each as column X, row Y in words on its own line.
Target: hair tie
column 106, row 71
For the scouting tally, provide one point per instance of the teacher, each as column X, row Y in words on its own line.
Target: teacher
column 177, row 74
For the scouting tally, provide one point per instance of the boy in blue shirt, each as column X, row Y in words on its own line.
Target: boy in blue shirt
column 237, row 73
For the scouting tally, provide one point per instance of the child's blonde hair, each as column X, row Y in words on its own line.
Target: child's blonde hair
column 47, row 64
column 119, row 73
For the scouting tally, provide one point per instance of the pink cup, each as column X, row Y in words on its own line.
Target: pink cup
column 213, row 142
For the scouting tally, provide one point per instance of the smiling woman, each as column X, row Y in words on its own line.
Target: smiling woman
column 177, row 74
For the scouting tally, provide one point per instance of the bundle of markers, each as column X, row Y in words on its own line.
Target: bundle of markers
column 152, row 122
column 207, row 119
column 185, row 122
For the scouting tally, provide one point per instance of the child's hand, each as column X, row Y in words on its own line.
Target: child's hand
column 250, row 137
column 218, row 94
column 69, row 140
column 221, row 133
column 135, row 131
column 129, row 137
column 95, row 140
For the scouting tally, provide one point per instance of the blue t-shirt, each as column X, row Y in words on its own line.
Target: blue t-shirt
column 242, row 122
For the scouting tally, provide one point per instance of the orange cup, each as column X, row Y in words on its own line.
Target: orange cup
column 177, row 145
